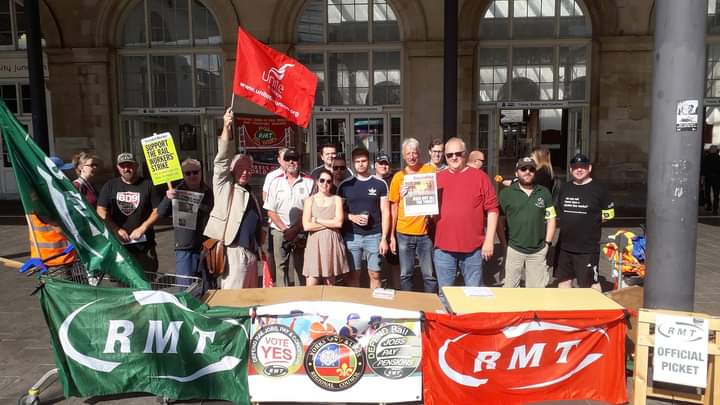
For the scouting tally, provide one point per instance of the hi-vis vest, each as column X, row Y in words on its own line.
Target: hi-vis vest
column 48, row 243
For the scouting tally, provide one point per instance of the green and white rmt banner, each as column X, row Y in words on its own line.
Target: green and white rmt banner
column 115, row 340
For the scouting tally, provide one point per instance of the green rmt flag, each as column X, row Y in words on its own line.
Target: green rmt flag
column 118, row 340
column 48, row 193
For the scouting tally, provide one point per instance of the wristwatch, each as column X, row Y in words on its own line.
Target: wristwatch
column 548, row 243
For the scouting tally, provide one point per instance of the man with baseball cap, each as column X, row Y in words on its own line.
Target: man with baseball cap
column 530, row 214
column 583, row 205
column 128, row 204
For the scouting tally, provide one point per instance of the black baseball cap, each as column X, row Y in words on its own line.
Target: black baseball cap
column 382, row 157
column 524, row 162
column 291, row 154
column 579, row 160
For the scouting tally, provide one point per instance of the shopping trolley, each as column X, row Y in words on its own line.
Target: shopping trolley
column 77, row 273
column 626, row 252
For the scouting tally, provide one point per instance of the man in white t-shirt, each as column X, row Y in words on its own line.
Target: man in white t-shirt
column 275, row 173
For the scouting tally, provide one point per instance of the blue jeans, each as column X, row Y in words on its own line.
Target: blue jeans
column 408, row 247
column 446, row 264
column 187, row 263
column 369, row 244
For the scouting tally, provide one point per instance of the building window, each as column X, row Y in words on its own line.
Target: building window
column 353, row 46
column 12, row 24
column 170, row 56
column 556, row 69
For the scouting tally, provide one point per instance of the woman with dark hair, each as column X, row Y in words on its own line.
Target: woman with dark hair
column 85, row 166
column 323, row 217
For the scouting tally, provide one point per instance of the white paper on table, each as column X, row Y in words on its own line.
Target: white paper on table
column 478, row 292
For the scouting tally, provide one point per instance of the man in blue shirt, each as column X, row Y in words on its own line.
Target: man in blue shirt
column 368, row 218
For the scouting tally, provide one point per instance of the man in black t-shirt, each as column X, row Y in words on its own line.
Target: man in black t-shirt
column 583, row 205
column 128, row 204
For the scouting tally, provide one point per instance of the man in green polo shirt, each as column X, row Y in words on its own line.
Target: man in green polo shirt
column 530, row 214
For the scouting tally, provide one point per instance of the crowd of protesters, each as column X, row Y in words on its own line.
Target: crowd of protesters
column 341, row 223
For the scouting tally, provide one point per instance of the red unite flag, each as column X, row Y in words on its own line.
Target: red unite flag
column 273, row 80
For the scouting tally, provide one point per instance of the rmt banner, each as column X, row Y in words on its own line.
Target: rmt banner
column 522, row 357
column 110, row 341
column 162, row 159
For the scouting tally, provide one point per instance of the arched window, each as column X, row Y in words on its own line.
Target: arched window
column 533, row 50
column 170, row 56
column 353, row 46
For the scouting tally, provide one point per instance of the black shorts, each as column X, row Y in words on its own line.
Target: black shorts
column 582, row 266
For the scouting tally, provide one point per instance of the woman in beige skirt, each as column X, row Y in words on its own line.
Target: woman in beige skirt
column 323, row 217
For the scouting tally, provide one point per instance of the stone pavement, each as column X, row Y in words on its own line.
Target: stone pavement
column 25, row 352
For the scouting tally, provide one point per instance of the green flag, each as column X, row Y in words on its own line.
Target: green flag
column 47, row 192
column 118, row 340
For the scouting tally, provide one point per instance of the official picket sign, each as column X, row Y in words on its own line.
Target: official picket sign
column 161, row 157
column 343, row 352
column 681, row 350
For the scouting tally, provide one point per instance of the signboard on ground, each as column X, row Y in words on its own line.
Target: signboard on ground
column 162, row 159
column 681, row 350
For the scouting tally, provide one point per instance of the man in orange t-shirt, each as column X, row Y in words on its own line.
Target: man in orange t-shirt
column 409, row 234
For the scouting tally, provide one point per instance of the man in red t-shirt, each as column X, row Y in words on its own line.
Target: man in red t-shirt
column 466, row 195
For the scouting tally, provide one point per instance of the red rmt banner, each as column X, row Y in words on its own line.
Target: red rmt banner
column 273, row 80
column 522, row 357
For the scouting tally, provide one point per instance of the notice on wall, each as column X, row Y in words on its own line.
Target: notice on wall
column 686, row 118
column 681, row 350
column 185, row 207
column 421, row 197
column 162, row 159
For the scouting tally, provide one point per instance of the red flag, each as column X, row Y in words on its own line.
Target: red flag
column 273, row 80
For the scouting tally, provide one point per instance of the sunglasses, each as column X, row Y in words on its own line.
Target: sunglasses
column 292, row 159
column 339, row 167
column 92, row 165
column 527, row 169
column 454, row 154
column 382, row 162
column 192, row 172
column 324, row 181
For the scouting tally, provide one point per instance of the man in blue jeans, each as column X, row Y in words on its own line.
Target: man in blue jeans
column 466, row 195
column 409, row 234
column 368, row 219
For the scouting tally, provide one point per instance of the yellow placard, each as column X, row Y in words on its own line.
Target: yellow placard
column 162, row 159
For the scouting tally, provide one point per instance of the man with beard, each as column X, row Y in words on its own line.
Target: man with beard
column 284, row 204
column 466, row 196
column 583, row 205
column 128, row 205
column 530, row 214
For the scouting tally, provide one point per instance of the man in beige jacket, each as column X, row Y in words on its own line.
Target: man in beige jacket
column 236, row 218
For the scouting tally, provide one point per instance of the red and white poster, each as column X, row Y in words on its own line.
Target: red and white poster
column 521, row 357
column 273, row 80
column 263, row 132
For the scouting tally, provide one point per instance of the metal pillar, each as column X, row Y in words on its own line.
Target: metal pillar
column 37, row 78
column 450, row 64
column 674, row 165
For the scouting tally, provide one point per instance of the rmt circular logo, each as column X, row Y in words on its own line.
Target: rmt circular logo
column 276, row 351
column 334, row 363
column 394, row 352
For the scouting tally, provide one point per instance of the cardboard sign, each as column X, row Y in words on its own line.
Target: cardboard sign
column 681, row 350
column 162, row 159
column 421, row 197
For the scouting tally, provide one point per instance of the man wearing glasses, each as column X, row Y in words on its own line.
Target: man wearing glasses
column 435, row 151
column 583, row 205
column 328, row 153
column 466, row 196
column 284, row 204
column 530, row 214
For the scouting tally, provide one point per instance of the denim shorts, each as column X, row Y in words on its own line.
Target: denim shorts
column 359, row 244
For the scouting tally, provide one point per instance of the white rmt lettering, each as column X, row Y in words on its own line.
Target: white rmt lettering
column 119, row 331
column 565, row 347
column 520, row 356
column 203, row 338
column 487, row 358
column 155, row 335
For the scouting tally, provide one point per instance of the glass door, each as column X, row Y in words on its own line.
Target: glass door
column 327, row 130
column 369, row 132
column 8, row 185
column 486, row 141
column 576, row 143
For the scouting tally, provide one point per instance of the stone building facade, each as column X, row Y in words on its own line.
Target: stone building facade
column 570, row 75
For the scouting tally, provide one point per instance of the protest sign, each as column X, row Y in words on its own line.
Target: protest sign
column 522, row 357
column 185, row 208
column 681, row 350
column 264, row 132
column 162, row 159
column 421, row 197
column 343, row 352
column 110, row 341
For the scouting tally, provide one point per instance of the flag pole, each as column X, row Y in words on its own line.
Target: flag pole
column 232, row 105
